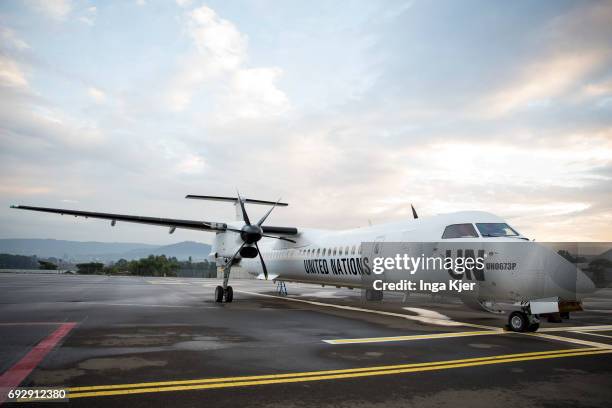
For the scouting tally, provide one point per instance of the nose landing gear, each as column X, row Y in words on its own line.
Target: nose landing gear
column 521, row 322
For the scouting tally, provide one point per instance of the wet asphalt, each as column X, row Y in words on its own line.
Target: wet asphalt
column 133, row 330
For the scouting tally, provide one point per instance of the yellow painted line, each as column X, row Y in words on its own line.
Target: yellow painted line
column 570, row 340
column 573, row 328
column 325, row 372
column 366, row 372
column 468, row 334
column 421, row 319
column 593, row 334
column 415, row 337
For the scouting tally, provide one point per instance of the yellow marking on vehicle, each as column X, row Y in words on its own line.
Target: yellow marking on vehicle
column 212, row 383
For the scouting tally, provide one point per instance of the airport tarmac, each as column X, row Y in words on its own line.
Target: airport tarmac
column 148, row 342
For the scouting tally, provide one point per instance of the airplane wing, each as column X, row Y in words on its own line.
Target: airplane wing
column 164, row 222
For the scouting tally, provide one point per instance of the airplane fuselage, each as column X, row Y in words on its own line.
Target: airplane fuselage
column 513, row 270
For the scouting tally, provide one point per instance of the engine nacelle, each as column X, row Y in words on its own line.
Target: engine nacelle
column 248, row 251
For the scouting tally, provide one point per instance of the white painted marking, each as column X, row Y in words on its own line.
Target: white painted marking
column 414, row 337
column 574, row 328
column 161, row 282
column 142, row 305
column 493, row 329
column 380, row 312
column 431, row 316
column 323, row 295
column 593, row 334
column 599, row 310
column 570, row 340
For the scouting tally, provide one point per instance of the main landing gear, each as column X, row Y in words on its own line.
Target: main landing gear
column 521, row 322
column 221, row 294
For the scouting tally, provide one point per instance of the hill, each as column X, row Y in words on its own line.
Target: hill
column 78, row 251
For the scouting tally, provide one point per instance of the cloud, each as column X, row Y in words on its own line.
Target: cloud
column 11, row 75
column 10, row 39
column 89, row 16
column 55, row 9
column 96, row 94
column 217, row 68
column 253, row 94
column 199, row 106
column 541, row 81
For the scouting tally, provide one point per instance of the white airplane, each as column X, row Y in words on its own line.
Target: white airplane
column 517, row 276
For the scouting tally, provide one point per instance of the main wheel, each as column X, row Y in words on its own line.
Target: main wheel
column 229, row 294
column 518, row 322
column 219, row 294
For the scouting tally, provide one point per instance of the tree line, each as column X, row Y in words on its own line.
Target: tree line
column 153, row 265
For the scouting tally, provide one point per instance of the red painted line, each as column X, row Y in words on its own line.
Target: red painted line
column 17, row 373
column 30, row 323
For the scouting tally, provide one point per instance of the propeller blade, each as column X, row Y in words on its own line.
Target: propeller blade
column 244, row 213
column 268, row 213
column 414, row 214
column 263, row 264
column 281, row 238
column 231, row 261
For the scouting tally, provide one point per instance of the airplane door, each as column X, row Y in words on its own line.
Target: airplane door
column 370, row 251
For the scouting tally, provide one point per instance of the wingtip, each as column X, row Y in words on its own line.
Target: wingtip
column 14, row 206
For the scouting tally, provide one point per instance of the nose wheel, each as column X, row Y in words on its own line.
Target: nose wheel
column 226, row 294
column 522, row 322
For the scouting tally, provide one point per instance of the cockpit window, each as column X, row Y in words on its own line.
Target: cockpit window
column 496, row 230
column 460, row 231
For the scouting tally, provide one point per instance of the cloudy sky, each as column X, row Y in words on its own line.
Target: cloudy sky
column 349, row 110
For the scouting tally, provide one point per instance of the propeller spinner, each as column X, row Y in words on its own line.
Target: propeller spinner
column 251, row 234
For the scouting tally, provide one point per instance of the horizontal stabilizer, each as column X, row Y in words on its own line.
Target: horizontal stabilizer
column 234, row 200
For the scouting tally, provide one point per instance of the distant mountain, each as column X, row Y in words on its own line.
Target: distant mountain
column 182, row 251
column 607, row 255
column 103, row 251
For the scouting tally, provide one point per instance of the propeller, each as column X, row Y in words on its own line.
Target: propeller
column 252, row 233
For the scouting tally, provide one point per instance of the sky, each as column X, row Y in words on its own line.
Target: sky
column 348, row 110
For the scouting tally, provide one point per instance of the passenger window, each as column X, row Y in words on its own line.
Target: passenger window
column 460, row 231
column 353, row 250
column 346, row 251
